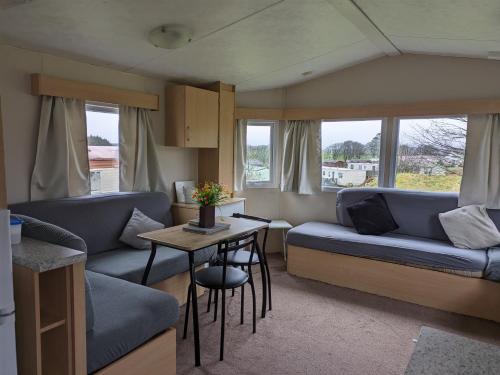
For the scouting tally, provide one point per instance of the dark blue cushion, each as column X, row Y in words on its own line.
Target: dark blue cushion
column 98, row 220
column 126, row 316
column 129, row 263
column 398, row 248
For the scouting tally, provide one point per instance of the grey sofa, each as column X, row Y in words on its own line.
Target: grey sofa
column 420, row 240
column 121, row 315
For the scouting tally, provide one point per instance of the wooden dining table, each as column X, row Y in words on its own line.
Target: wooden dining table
column 177, row 238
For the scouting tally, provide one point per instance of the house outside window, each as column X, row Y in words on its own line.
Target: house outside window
column 103, row 153
column 350, row 153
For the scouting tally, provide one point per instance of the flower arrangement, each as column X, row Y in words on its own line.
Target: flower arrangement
column 210, row 194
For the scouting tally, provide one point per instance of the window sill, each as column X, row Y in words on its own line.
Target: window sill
column 261, row 186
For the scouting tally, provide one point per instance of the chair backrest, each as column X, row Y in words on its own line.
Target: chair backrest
column 235, row 244
column 256, row 218
column 99, row 220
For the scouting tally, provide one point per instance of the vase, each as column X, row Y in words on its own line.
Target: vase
column 207, row 216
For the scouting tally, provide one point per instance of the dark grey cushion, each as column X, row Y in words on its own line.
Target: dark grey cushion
column 139, row 223
column 129, row 263
column 390, row 247
column 51, row 233
column 492, row 271
column 98, row 220
column 126, row 316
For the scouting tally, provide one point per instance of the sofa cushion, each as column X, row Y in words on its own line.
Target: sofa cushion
column 89, row 305
column 126, row 316
column 139, row 223
column 390, row 247
column 372, row 216
column 98, row 220
column 470, row 227
column 129, row 264
column 492, row 271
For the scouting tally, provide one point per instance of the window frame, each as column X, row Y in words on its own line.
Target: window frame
column 273, row 165
column 395, row 144
column 382, row 151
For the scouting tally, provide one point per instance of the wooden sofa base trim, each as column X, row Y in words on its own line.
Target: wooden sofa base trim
column 439, row 290
column 178, row 286
column 156, row 357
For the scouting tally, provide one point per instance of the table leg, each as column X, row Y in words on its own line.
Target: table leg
column 264, row 281
column 284, row 245
column 149, row 264
column 194, row 298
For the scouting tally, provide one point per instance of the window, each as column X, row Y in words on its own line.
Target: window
column 350, row 153
column 102, row 137
column 430, row 154
column 261, row 158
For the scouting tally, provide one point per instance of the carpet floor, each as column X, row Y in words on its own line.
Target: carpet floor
column 316, row 328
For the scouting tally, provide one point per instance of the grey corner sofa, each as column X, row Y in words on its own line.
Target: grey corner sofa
column 420, row 242
column 121, row 314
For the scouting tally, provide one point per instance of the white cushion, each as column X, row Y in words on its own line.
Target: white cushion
column 137, row 224
column 470, row 227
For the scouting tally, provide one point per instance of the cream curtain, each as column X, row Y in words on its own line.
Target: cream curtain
column 61, row 165
column 139, row 164
column 240, row 155
column 481, row 176
column 301, row 163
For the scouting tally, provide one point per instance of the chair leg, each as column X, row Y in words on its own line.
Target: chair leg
column 254, row 303
column 222, row 323
column 232, row 293
column 216, row 301
column 209, row 300
column 269, row 285
column 242, row 313
column 186, row 318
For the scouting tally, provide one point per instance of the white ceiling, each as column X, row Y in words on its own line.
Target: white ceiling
column 254, row 44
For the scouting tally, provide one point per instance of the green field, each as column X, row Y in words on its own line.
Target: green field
column 414, row 181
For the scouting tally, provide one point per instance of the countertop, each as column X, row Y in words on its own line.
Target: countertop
column 42, row 256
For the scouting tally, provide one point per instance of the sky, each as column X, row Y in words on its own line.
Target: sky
column 340, row 131
column 258, row 135
column 103, row 124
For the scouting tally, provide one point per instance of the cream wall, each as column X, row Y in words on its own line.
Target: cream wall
column 400, row 79
column 21, row 113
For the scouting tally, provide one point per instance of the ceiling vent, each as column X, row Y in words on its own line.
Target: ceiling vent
column 170, row 36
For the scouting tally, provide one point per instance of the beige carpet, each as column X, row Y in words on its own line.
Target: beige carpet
column 315, row 328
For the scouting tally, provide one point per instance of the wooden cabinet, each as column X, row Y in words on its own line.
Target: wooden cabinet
column 217, row 164
column 192, row 117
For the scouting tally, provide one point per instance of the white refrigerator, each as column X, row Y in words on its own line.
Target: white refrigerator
column 8, row 364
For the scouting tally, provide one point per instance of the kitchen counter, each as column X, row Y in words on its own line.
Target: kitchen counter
column 42, row 256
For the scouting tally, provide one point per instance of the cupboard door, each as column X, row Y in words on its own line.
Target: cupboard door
column 202, row 118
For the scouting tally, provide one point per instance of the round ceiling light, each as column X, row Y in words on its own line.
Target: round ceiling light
column 170, row 36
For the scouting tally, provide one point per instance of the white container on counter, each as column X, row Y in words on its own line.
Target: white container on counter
column 15, row 230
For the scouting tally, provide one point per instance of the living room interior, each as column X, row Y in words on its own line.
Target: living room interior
column 249, row 186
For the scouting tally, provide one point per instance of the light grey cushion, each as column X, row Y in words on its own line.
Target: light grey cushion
column 188, row 194
column 392, row 247
column 470, row 227
column 129, row 263
column 126, row 316
column 139, row 223
column 492, row 271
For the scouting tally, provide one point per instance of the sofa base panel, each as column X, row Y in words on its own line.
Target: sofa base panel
column 178, row 286
column 463, row 295
column 156, row 357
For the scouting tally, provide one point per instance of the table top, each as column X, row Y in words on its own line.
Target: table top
column 280, row 224
column 42, row 256
column 180, row 239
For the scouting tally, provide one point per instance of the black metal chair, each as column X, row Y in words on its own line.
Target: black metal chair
column 241, row 258
column 222, row 276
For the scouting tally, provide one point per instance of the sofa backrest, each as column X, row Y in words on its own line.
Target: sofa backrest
column 415, row 212
column 99, row 219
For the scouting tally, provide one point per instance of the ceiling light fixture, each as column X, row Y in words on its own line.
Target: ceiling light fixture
column 170, row 36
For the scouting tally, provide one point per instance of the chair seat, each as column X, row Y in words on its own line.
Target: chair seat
column 211, row 277
column 241, row 257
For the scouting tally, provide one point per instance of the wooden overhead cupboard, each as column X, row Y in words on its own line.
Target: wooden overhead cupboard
column 192, row 117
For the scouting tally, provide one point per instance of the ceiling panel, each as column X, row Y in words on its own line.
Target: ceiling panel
column 453, row 27
column 285, row 35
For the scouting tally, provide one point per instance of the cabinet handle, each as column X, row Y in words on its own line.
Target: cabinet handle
column 187, row 133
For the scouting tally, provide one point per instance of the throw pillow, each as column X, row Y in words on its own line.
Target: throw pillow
column 188, row 194
column 137, row 224
column 470, row 227
column 372, row 216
